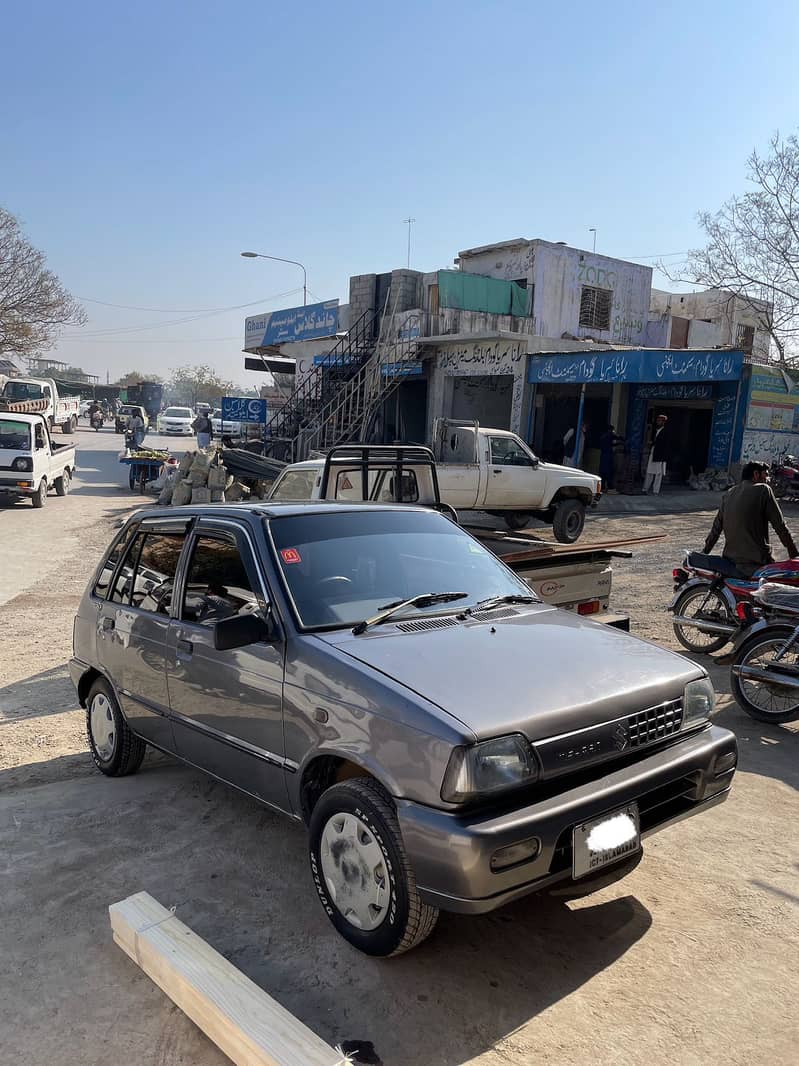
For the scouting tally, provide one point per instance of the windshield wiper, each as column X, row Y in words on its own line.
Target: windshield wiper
column 495, row 601
column 426, row 599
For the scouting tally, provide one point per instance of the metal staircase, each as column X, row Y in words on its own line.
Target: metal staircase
column 285, row 429
column 347, row 417
column 337, row 402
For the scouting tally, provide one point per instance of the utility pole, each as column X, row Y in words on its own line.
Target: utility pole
column 409, row 222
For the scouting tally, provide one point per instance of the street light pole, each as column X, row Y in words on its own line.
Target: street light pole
column 277, row 259
column 592, row 230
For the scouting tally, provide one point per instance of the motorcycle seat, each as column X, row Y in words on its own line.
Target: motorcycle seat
column 716, row 564
column 771, row 594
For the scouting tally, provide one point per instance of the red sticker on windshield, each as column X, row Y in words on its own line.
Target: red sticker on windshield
column 290, row 555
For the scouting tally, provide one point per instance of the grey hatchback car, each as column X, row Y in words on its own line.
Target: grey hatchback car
column 373, row 671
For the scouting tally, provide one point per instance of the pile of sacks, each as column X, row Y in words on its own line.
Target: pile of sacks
column 712, row 480
column 198, row 478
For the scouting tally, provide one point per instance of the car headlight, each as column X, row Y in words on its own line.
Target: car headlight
column 488, row 768
column 22, row 462
column 698, row 702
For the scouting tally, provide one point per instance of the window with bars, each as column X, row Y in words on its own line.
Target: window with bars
column 595, row 307
column 745, row 338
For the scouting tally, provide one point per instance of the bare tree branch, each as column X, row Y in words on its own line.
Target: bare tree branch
column 753, row 246
column 34, row 305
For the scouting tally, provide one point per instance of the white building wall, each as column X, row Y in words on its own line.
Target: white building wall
column 725, row 313
column 558, row 274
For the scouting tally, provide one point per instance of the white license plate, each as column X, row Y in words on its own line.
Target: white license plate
column 605, row 840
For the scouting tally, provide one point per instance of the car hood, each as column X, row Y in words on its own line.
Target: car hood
column 541, row 672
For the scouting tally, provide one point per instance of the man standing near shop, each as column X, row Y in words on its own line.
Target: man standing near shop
column 745, row 514
column 658, row 457
column 204, row 429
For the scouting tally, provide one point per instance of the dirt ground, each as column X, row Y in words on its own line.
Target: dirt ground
column 690, row 960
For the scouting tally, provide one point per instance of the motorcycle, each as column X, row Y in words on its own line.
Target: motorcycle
column 712, row 600
column 785, row 476
column 764, row 676
column 97, row 421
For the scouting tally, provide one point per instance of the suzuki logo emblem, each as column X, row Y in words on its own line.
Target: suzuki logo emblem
column 620, row 737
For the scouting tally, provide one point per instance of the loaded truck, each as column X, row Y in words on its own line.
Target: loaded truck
column 570, row 577
column 40, row 396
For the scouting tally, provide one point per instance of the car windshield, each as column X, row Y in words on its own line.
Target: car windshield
column 343, row 567
column 177, row 412
column 14, row 435
column 22, row 390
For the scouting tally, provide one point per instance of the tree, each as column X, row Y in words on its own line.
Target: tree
column 753, row 245
column 190, row 385
column 134, row 377
column 34, row 305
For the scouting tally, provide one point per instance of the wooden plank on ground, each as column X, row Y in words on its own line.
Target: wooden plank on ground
column 250, row 1027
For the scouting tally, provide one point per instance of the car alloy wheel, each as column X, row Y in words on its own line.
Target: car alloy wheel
column 354, row 870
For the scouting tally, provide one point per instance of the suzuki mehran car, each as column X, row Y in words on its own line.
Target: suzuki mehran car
column 450, row 741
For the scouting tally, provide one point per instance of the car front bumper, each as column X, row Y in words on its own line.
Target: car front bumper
column 451, row 853
column 21, row 485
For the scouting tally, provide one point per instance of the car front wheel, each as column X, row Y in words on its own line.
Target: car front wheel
column 115, row 749
column 362, row 873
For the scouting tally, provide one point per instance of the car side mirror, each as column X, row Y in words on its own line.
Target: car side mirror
column 242, row 630
column 535, row 462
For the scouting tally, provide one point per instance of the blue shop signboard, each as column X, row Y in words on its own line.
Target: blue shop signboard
column 293, row 324
column 635, row 365
column 243, row 409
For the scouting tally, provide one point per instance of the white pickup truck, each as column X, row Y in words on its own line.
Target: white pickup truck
column 493, row 470
column 31, row 463
column 40, row 396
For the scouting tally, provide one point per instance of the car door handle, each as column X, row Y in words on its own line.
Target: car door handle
column 107, row 623
column 185, row 646
column 497, row 471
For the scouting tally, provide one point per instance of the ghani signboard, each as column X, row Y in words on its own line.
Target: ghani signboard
column 294, row 324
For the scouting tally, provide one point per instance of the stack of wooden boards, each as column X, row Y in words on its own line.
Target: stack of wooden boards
column 241, row 1019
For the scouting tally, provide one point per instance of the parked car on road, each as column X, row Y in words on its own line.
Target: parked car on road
column 450, row 741
column 176, row 420
column 224, row 426
column 31, row 463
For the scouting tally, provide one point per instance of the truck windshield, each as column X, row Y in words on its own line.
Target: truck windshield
column 15, row 436
column 343, row 567
column 22, row 390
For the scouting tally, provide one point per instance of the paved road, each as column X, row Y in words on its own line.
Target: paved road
column 29, row 538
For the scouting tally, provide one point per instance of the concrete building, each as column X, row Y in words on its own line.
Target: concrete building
column 709, row 319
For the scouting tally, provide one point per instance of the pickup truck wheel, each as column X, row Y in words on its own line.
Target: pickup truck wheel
column 569, row 520
column 517, row 519
column 62, row 484
column 115, row 749
column 39, row 498
column 362, row 873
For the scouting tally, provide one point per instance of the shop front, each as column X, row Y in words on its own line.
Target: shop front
column 698, row 391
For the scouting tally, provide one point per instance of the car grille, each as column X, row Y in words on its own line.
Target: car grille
column 655, row 723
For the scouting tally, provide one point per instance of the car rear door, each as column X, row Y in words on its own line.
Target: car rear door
column 226, row 706
column 132, row 627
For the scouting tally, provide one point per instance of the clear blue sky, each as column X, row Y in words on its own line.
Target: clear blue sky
column 144, row 146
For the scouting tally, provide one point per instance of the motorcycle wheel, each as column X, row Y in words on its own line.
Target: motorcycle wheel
column 712, row 606
column 779, row 486
column 765, row 702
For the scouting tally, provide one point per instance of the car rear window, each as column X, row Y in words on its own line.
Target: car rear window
column 346, row 566
column 294, row 485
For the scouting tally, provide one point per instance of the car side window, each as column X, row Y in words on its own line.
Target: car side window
column 39, row 437
column 109, row 566
column 146, row 578
column 505, row 451
column 218, row 584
